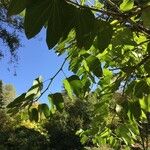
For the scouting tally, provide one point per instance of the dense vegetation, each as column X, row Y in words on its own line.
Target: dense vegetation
column 107, row 45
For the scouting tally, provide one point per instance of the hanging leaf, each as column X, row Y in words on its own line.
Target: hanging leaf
column 33, row 115
column 60, row 22
column 94, row 65
column 17, row 6
column 104, row 35
column 35, row 90
column 36, row 16
column 57, row 101
column 84, row 27
column 76, row 85
column 43, row 108
column 17, row 102
column 68, row 88
column 127, row 5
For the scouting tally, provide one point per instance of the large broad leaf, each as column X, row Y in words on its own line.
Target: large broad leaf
column 68, row 88
column 43, row 108
column 35, row 90
column 17, row 6
column 104, row 35
column 127, row 5
column 37, row 14
column 17, row 102
column 33, row 115
column 145, row 17
column 57, row 101
column 84, row 27
column 60, row 22
column 74, row 84
column 94, row 65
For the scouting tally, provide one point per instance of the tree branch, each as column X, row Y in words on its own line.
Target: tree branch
column 52, row 79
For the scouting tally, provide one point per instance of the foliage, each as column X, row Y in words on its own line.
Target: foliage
column 1, row 96
column 108, row 49
column 7, row 94
column 23, row 138
column 10, row 27
column 62, row 126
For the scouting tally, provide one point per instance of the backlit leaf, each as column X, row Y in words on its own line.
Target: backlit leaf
column 17, row 6
column 104, row 35
column 33, row 115
column 94, row 65
column 44, row 109
column 127, row 5
column 57, row 100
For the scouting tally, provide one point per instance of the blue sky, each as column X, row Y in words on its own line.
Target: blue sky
column 34, row 60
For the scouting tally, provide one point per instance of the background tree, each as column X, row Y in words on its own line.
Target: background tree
column 1, row 94
column 9, row 93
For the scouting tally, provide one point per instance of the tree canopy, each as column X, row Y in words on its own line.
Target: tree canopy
column 10, row 28
column 107, row 43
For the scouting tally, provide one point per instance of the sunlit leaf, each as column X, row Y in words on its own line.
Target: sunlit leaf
column 127, row 5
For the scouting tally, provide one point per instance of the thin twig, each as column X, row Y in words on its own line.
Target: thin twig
column 52, row 79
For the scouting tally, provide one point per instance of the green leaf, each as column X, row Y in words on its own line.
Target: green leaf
column 104, row 35
column 33, row 115
column 57, row 101
column 147, row 67
column 68, row 88
column 17, row 6
column 135, row 109
column 75, row 64
column 94, row 65
column 145, row 17
column 141, row 88
column 35, row 90
column 44, row 109
column 145, row 103
column 76, row 85
column 60, row 22
column 17, row 102
column 148, row 48
column 84, row 27
column 127, row 5
column 124, row 133
column 36, row 16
